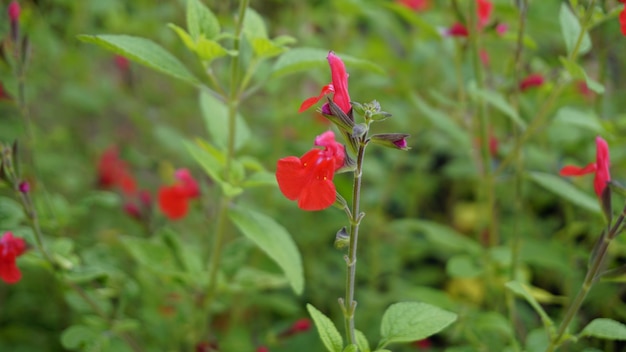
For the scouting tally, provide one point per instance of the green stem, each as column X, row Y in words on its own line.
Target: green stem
column 349, row 304
column 591, row 277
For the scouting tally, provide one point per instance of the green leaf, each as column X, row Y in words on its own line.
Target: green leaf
column 306, row 59
column 11, row 213
column 578, row 72
column 253, row 25
column 571, row 29
column 564, row 189
column 261, row 178
column 184, row 36
column 326, row 329
column 77, row 336
column 442, row 121
column 521, row 290
column 265, row 48
column 212, row 163
column 603, row 328
column 413, row 321
column 463, row 266
column 443, row 236
column 351, row 348
column 209, row 50
column 215, row 115
column 498, row 101
column 143, row 51
column 151, row 254
column 361, row 341
column 274, row 240
column 201, row 21
column 584, row 119
column 416, row 19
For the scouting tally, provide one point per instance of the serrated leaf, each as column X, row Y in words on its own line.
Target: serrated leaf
column 273, row 239
column 497, row 101
column 215, row 115
column 413, row 321
column 77, row 336
column 143, row 51
column 327, row 331
column 442, row 122
column 521, row 290
column 571, row 30
column 564, row 189
column 604, row 328
column 201, row 21
column 304, row 59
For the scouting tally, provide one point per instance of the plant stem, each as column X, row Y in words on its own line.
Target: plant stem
column 349, row 303
column 590, row 279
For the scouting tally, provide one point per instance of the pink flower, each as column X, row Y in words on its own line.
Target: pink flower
column 309, row 179
column 122, row 63
column 339, row 86
column 457, row 30
column 10, row 248
column 14, row 11
column 600, row 167
column 502, row 28
column 534, row 80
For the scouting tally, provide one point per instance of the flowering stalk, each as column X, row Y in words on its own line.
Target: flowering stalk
column 349, row 305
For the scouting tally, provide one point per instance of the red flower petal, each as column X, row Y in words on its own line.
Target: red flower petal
column 312, row 100
column 603, row 175
column 188, row 182
column 484, row 9
column 320, row 192
column 173, row 201
column 534, row 80
column 622, row 20
column 10, row 248
column 9, row 272
column 457, row 30
column 340, row 82
column 571, row 170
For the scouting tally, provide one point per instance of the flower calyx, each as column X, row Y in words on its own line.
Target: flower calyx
column 391, row 140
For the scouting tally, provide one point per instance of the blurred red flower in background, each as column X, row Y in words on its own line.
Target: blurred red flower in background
column 533, row 80
column 113, row 172
column 415, row 5
column 174, row 199
column 309, row 179
column 10, row 248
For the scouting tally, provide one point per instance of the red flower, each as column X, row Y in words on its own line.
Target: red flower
column 415, row 5
column 457, row 30
column 14, row 11
column 113, row 172
column 10, row 248
column 600, row 167
column 339, row 86
column 174, row 200
column 483, row 10
column 122, row 63
column 309, row 179
column 534, row 80
column 262, row 349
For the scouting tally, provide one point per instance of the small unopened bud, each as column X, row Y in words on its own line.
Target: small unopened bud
column 342, row 239
column 391, row 140
column 24, row 187
column 359, row 130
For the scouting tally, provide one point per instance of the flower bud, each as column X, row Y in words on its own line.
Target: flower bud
column 342, row 239
column 24, row 187
column 391, row 140
column 14, row 11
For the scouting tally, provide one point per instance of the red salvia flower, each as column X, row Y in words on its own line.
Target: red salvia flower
column 113, row 172
column 457, row 30
column 174, row 200
column 531, row 81
column 339, row 86
column 309, row 179
column 415, row 5
column 10, row 248
column 600, row 167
